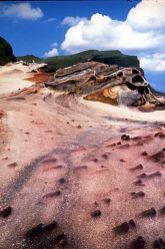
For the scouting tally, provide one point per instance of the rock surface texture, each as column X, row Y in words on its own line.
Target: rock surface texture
column 79, row 174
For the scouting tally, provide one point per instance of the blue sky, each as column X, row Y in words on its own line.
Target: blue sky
column 64, row 27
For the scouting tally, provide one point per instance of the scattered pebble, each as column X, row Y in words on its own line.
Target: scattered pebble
column 162, row 210
column 138, row 167
column 62, row 180
column 107, row 200
column 132, row 223
column 138, row 243
column 143, row 175
column 149, row 212
column 5, row 212
column 123, row 228
column 144, row 153
column 12, row 165
column 138, row 194
column 125, row 137
column 96, row 213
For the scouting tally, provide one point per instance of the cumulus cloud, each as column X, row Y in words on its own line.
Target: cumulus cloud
column 148, row 14
column 71, row 21
column 143, row 30
column 153, row 62
column 53, row 51
column 22, row 11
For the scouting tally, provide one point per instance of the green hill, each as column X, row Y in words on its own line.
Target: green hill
column 29, row 58
column 6, row 52
column 108, row 57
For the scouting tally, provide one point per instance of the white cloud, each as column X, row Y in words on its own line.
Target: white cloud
column 54, row 44
column 148, row 14
column 142, row 31
column 52, row 19
column 71, row 21
column 53, row 51
column 153, row 62
column 22, row 11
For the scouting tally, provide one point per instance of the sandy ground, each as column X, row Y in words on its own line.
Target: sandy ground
column 65, row 163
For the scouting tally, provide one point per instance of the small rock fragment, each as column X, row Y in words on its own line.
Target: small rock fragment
column 105, row 156
column 62, row 180
column 138, row 243
column 139, row 182
column 49, row 226
column 149, row 212
column 125, row 137
column 96, row 213
column 143, row 175
column 5, row 212
column 60, row 239
column 156, row 173
column 132, row 223
column 107, row 200
column 156, row 245
column 138, row 194
column 138, row 167
column 162, row 210
column 144, row 153
column 12, row 165
column 35, row 231
column 123, row 228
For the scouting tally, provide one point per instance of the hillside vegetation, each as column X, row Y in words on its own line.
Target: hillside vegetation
column 6, row 52
column 108, row 57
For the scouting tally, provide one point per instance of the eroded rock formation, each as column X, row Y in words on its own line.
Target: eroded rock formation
column 106, row 83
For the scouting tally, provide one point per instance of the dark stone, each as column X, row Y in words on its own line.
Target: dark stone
column 143, row 175
column 162, row 242
column 107, row 200
column 144, row 153
column 35, row 231
column 158, row 156
column 162, row 210
column 96, row 213
column 125, row 137
column 139, row 182
column 156, row 245
column 57, row 193
column 138, row 167
column 105, row 156
column 62, row 180
column 49, row 226
column 95, row 160
column 157, row 173
column 60, row 239
column 132, row 223
column 138, row 194
column 160, row 135
column 123, row 228
column 138, row 243
column 6, row 212
column 149, row 212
